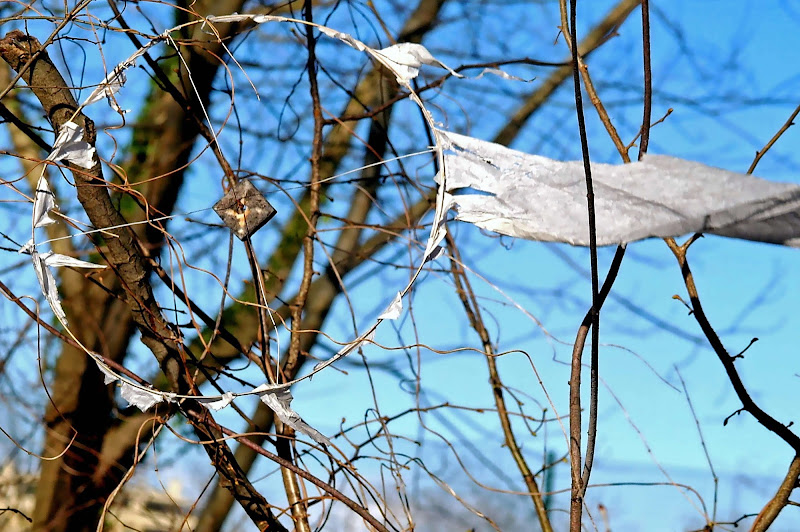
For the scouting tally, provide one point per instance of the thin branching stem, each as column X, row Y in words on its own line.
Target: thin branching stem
column 728, row 361
column 470, row 303
column 578, row 487
column 777, row 503
column 785, row 127
column 648, row 80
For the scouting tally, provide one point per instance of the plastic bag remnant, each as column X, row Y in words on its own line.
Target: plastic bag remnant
column 42, row 262
column 217, row 404
column 279, row 400
column 136, row 395
column 536, row 198
column 112, row 83
column 405, row 58
column 70, row 146
column 139, row 397
column 394, row 309
column 43, row 202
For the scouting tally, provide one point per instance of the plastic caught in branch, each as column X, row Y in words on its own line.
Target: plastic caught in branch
column 217, row 403
column 108, row 87
column 279, row 400
column 405, row 59
column 345, row 38
column 42, row 262
column 536, row 198
column 139, row 397
column 394, row 309
column 43, row 202
column 70, row 146
column 108, row 375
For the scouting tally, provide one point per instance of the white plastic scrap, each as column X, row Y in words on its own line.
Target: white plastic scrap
column 536, row 198
column 394, row 309
column 216, row 403
column 502, row 74
column 345, row 38
column 43, row 201
column 279, row 400
column 108, row 375
column 434, row 249
column 238, row 17
column 42, row 262
column 140, row 397
column 405, row 59
column 58, row 260
column 108, row 87
column 70, row 146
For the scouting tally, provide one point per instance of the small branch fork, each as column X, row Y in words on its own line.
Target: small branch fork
column 578, row 488
column 781, row 498
column 748, row 405
column 760, row 153
column 581, row 70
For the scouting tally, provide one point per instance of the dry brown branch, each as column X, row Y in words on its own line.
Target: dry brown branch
column 472, row 309
column 126, row 259
column 728, row 361
column 771, row 510
column 786, row 125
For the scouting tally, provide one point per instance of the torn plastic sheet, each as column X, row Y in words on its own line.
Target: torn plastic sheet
column 345, row 38
column 139, row 397
column 536, row 198
column 70, row 146
column 238, row 17
column 279, row 400
column 394, row 309
column 406, row 58
column 217, row 403
column 434, row 248
column 502, row 74
column 42, row 262
column 43, row 201
column 108, row 87
column 108, row 375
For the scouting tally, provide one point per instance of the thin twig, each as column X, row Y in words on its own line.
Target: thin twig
column 578, row 484
column 591, row 91
column 472, row 309
column 705, row 451
column 759, row 154
column 357, row 508
column 748, row 404
column 290, row 482
column 648, row 79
